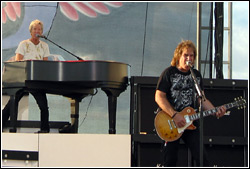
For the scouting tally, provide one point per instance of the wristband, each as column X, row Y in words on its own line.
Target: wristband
column 174, row 115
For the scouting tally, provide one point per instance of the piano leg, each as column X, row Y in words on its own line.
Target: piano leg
column 75, row 99
column 112, row 103
column 73, row 127
column 74, row 104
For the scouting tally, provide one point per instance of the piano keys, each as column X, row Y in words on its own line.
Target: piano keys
column 73, row 79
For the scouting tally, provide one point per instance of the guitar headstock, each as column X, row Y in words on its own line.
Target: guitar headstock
column 240, row 102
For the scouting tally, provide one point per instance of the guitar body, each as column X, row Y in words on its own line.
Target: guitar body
column 166, row 128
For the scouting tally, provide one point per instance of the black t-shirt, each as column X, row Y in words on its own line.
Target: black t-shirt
column 179, row 87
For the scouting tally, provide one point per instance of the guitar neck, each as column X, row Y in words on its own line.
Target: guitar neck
column 196, row 116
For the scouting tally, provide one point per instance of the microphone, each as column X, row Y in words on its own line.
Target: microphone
column 40, row 36
column 189, row 63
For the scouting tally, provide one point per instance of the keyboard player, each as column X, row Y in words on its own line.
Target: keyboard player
column 32, row 49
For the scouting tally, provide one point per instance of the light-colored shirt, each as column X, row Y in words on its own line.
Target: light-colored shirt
column 30, row 51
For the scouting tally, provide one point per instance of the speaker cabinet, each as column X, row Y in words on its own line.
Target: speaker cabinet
column 227, row 135
column 147, row 151
column 143, row 105
column 227, row 155
column 234, row 123
column 151, row 155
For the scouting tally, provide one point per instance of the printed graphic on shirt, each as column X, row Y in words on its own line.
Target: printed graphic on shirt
column 182, row 90
column 31, row 51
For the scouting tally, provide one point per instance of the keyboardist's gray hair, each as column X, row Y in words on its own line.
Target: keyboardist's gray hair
column 35, row 22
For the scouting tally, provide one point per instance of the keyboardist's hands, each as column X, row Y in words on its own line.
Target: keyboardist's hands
column 18, row 57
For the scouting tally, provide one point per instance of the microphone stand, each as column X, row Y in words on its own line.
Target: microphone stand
column 61, row 47
column 202, row 97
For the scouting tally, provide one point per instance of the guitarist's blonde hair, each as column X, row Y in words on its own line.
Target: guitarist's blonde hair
column 179, row 49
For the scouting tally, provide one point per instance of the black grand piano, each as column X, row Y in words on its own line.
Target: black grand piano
column 72, row 79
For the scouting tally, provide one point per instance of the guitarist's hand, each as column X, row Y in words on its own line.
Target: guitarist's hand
column 221, row 111
column 179, row 120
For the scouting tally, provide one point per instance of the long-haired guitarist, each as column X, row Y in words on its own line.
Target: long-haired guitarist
column 175, row 91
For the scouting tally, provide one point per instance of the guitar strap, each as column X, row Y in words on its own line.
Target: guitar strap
column 163, row 146
column 194, row 97
column 157, row 110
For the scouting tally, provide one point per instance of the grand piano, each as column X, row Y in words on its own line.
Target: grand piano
column 72, row 79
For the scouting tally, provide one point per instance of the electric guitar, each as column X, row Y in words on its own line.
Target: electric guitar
column 167, row 130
